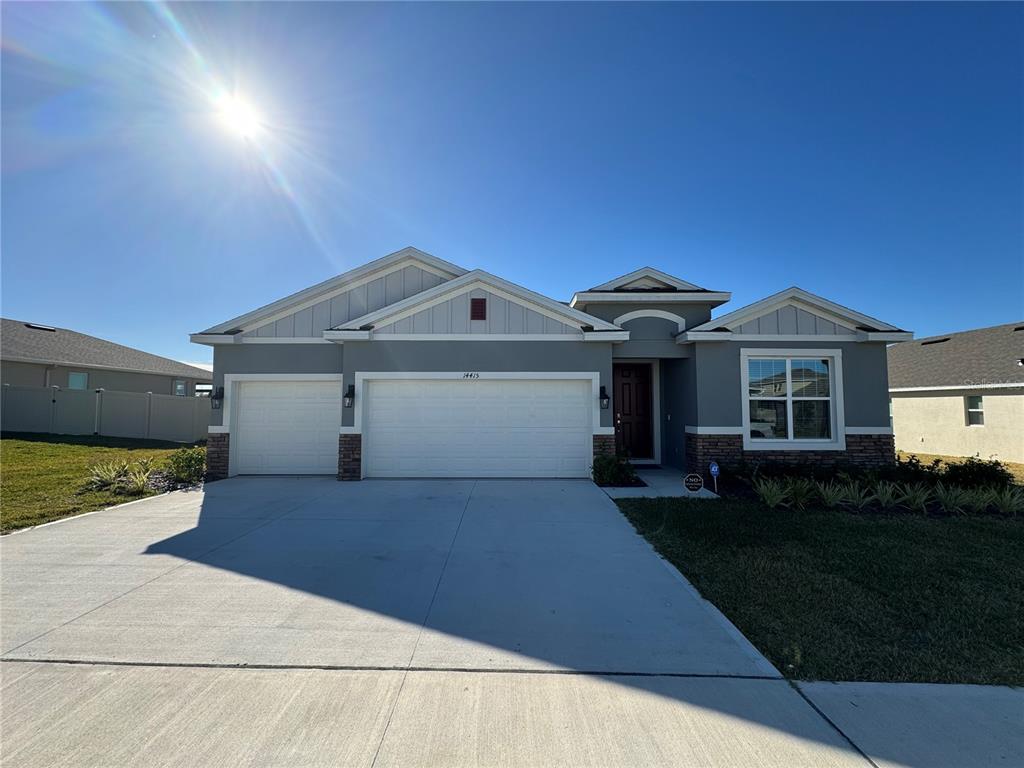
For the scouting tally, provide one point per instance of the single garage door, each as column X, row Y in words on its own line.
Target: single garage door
column 478, row 428
column 286, row 428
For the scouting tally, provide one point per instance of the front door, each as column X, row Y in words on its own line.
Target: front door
column 634, row 428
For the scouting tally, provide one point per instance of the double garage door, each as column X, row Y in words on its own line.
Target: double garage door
column 421, row 428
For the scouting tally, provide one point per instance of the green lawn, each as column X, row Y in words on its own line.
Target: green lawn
column 41, row 476
column 837, row 596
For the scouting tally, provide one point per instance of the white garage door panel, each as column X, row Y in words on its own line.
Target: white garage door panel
column 478, row 428
column 287, row 428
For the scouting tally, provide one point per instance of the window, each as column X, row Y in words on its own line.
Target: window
column 180, row 387
column 478, row 309
column 78, row 380
column 975, row 410
column 791, row 399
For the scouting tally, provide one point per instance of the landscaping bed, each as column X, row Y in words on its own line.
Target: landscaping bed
column 833, row 594
column 47, row 477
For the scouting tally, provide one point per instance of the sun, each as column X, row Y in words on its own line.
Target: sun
column 237, row 116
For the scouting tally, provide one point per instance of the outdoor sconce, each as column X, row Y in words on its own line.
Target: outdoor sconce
column 217, row 398
column 350, row 396
column 604, row 399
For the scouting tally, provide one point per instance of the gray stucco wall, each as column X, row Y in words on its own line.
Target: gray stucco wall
column 376, row 356
column 273, row 358
column 34, row 375
column 693, row 314
column 651, row 337
column 719, row 392
column 678, row 408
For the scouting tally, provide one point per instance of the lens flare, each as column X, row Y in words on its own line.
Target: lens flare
column 238, row 116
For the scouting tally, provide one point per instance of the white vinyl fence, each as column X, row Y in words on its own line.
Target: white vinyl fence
column 101, row 412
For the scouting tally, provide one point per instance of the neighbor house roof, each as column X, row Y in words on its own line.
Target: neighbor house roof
column 983, row 358
column 35, row 343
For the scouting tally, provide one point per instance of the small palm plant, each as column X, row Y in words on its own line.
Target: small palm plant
column 772, row 493
column 857, row 497
column 1008, row 501
column 887, row 495
column 104, row 476
column 976, row 500
column 802, row 491
column 830, row 494
column 135, row 482
column 915, row 497
column 951, row 498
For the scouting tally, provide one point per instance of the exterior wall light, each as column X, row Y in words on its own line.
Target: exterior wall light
column 604, row 399
column 350, row 396
column 217, row 398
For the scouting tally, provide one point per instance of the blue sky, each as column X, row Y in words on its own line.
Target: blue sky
column 870, row 153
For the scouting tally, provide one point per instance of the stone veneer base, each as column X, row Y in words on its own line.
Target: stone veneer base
column 350, row 457
column 217, row 449
column 604, row 445
column 862, row 451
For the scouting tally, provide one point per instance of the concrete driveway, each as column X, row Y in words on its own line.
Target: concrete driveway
column 292, row 621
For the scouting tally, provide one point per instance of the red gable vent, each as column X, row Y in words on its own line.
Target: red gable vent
column 478, row 309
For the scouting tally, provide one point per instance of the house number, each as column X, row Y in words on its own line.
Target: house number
column 471, row 375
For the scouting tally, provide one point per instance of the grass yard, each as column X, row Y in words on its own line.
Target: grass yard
column 837, row 596
column 41, row 476
column 1017, row 470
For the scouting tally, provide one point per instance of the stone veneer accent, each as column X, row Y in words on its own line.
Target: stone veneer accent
column 217, row 455
column 863, row 451
column 350, row 457
column 604, row 445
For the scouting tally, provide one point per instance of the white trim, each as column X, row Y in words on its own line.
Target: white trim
column 803, row 300
column 958, row 387
column 215, row 429
column 655, row 364
column 284, row 340
column 606, row 335
column 363, row 376
column 637, row 313
column 638, row 274
column 605, row 431
column 211, row 339
column 838, row 410
column 689, row 336
column 478, row 337
column 344, row 282
column 869, row 430
column 884, row 336
column 713, row 430
column 669, row 297
column 339, row 336
column 486, row 281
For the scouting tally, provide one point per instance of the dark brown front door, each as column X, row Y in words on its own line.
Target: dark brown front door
column 634, row 429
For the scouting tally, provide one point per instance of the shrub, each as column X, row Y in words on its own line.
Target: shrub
column 915, row 497
column 887, row 495
column 911, row 470
column 136, row 481
column 104, row 476
column 1007, row 501
column 801, row 491
column 613, row 470
column 976, row 500
column 950, row 498
column 772, row 493
column 187, row 465
column 830, row 493
column 856, row 496
column 978, row 473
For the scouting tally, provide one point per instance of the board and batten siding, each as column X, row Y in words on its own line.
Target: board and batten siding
column 339, row 309
column 794, row 321
column 452, row 316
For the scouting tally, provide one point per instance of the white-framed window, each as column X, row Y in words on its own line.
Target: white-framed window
column 180, row 387
column 974, row 406
column 78, row 380
column 792, row 399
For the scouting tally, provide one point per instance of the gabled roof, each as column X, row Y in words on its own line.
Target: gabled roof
column 477, row 278
column 34, row 343
column 801, row 299
column 646, row 279
column 336, row 284
column 982, row 358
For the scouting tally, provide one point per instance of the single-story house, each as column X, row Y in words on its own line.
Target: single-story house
column 410, row 366
column 960, row 394
column 36, row 355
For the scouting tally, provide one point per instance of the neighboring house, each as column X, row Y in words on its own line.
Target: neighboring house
column 43, row 356
column 961, row 394
column 411, row 366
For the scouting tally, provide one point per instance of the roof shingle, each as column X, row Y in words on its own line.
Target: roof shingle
column 982, row 357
